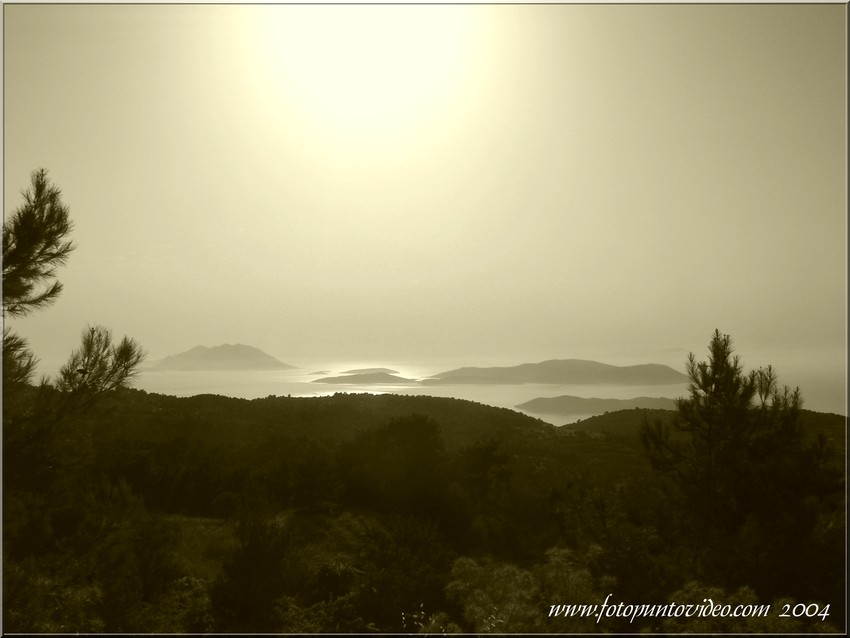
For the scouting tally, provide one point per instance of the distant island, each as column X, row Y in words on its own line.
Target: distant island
column 570, row 405
column 224, row 357
column 370, row 371
column 555, row 371
column 367, row 378
column 563, row 372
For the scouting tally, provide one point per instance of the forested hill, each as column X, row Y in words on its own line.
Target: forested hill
column 629, row 422
column 334, row 417
column 359, row 513
column 224, row 420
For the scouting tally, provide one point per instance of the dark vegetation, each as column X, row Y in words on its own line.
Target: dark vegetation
column 133, row 512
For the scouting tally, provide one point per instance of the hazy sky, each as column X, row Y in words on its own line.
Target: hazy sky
column 477, row 183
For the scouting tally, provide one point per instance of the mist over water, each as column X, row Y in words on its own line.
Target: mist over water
column 822, row 391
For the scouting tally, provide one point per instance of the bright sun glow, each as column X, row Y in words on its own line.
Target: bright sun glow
column 358, row 70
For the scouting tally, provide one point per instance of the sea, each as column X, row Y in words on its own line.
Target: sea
column 822, row 394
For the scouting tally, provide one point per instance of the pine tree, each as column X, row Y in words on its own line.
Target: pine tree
column 34, row 245
column 747, row 483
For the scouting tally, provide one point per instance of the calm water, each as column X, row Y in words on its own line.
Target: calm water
column 252, row 385
column 819, row 395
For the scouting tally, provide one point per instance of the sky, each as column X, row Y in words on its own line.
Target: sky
column 481, row 184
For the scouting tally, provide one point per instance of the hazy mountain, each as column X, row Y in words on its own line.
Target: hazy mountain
column 367, row 378
column 224, row 357
column 568, row 405
column 563, row 371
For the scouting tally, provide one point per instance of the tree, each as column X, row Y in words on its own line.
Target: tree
column 18, row 362
column 715, row 428
column 750, row 485
column 495, row 597
column 98, row 366
column 34, row 245
column 47, row 495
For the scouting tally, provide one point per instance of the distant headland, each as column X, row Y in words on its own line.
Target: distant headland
column 567, row 405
